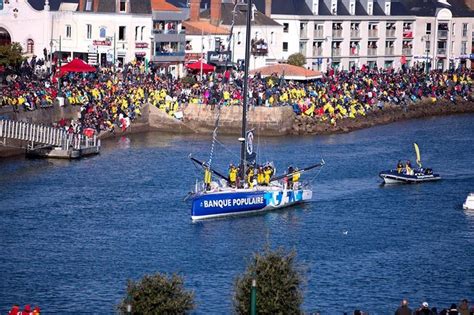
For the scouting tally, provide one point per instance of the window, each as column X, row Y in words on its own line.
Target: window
column 333, row 7
column 136, row 32
column 352, row 8
column 286, row 27
column 370, row 8
column 238, row 38
column 285, row 46
column 464, row 29
column 272, row 37
column 387, row 8
column 123, row 6
column 68, row 31
column 303, row 48
column 89, row 5
column 143, row 30
column 315, row 8
column 30, row 46
column 121, row 33
column 463, row 48
column 89, row 31
column 452, row 30
column 428, row 28
column 102, row 32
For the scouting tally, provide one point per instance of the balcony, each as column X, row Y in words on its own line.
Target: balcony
column 442, row 34
column 355, row 34
column 259, row 47
column 407, row 34
column 337, row 33
column 158, row 31
column 390, row 33
column 373, row 33
column 162, row 56
column 303, row 33
column 336, row 52
column 318, row 34
column 354, row 53
column 441, row 51
column 371, row 51
column 407, row 51
column 317, row 51
column 389, row 51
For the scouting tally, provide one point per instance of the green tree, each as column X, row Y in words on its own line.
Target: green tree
column 157, row 294
column 279, row 282
column 10, row 55
column 297, row 59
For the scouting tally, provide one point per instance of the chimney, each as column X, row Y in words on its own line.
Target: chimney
column 216, row 12
column 194, row 10
column 268, row 8
column 81, row 5
column 469, row 4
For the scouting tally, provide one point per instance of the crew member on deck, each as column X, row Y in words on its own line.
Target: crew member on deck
column 250, row 174
column 399, row 166
column 260, row 176
column 267, row 175
column 289, row 179
column 296, row 178
column 207, row 178
column 232, row 175
column 408, row 168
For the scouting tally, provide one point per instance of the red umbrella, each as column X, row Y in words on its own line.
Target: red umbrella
column 197, row 66
column 77, row 65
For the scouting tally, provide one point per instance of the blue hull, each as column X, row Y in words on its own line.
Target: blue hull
column 217, row 204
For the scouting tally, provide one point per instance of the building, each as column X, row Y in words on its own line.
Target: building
column 351, row 33
column 22, row 23
column 169, row 37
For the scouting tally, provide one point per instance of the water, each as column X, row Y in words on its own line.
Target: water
column 72, row 233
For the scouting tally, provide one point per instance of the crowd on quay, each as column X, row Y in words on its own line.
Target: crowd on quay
column 110, row 98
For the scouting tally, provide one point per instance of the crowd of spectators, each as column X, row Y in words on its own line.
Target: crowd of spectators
column 110, row 98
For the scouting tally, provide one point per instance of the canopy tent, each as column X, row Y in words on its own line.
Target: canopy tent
column 289, row 72
column 196, row 66
column 77, row 65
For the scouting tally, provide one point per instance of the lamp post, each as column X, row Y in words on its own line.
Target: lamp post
column 253, row 298
column 129, row 304
column 328, row 39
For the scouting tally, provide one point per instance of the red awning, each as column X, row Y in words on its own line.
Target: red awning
column 77, row 65
column 197, row 66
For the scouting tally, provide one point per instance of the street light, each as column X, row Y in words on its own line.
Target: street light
column 329, row 39
column 253, row 298
column 426, row 38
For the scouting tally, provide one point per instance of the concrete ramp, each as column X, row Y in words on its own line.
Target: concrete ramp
column 162, row 121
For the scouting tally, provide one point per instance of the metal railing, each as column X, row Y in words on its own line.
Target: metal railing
column 317, row 51
column 441, row 51
column 372, row 51
column 407, row 51
column 44, row 135
column 337, row 33
column 442, row 34
column 390, row 33
column 355, row 34
column 373, row 33
column 303, row 33
column 336, row 52
column 318, row 34
column 389, row 51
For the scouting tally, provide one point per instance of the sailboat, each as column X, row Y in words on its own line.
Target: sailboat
column 229, row 197
column 405, row 174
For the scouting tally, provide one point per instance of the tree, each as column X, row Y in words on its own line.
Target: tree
column 297, row 59
column 10, row 55
column 278, row 284
column 157, row 294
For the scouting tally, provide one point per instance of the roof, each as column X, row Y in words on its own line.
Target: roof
column 53, row 4
column 288, row 7
column 240, row 16
column 162, row 5
column 429, row 7
column 288, row 71
column 200, row 27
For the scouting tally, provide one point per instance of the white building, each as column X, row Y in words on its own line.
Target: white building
column 21, row 23
column 382, row 33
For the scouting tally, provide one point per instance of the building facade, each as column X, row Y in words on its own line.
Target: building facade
column 377, row 33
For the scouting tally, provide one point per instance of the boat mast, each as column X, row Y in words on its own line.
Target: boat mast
column 246, row 77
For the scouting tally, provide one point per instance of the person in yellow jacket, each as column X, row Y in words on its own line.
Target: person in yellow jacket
column 267, row 172
column 250, row 174
column 232, row 175
column 260, row 176
column 207, row 178
column 296, row 178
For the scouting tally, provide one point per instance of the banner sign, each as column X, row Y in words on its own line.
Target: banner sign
column 141, row 45
column 101, row 42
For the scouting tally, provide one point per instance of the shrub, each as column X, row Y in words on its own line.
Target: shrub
column 279, row 282
column 297, row 59
column 157, row 294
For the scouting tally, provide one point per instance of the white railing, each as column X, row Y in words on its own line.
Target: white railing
column 37, row 134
